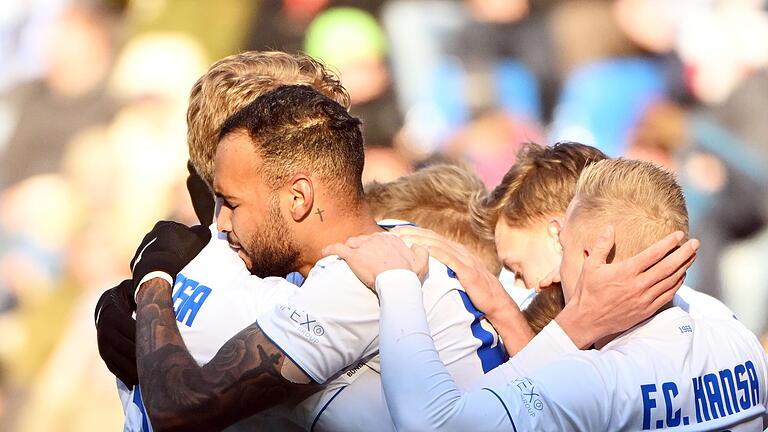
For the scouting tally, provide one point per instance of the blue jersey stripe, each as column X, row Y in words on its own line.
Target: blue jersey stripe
column 505, row 407
column 140, row 403
column 312, row 428
column 397, row 225
column 490, row 356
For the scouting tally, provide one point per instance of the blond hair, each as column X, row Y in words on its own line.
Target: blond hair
column 233, row 82
column 443, row 198
column 641, row 200
column 540, row 183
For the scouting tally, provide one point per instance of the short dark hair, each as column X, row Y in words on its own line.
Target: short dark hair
column 295, row 127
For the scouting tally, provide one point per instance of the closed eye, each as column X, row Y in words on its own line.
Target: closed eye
column 224, row 203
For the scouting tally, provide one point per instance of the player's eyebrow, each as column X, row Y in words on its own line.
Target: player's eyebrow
column 224, row 196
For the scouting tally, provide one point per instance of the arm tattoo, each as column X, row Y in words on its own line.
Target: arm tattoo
column 242, row 379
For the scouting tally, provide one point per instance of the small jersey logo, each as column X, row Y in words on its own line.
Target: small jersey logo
column 530, row 398
column 685, row 329
column 307, row 326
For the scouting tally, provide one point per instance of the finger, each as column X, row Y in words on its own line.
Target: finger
column 668, row 283
column 682, row 257
column 412, row 230
column 340, row 249
column 421, row 259
column 421, row 240
column 603, row 246
column 355, row 242
column 120, row 319
column 388, row 239
column 114, row 349
column 447, row 246
column 447, row 258
column 121, row 345
column 114, row 334
column 655, row 252
column 667, row 296
column 124, row 368
column 551, row 278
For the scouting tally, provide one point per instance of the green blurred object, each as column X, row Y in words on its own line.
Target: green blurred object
column 342, row 35
column 219, row 25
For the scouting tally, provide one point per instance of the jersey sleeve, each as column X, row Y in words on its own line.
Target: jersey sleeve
column 422, row 395
column 328, row 324
column 550, row 345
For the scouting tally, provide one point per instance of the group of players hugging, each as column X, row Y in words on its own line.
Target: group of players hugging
column 306, row 301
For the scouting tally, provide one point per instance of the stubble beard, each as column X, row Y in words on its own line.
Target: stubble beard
column 272, row 249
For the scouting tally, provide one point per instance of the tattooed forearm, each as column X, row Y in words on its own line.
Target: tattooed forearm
column 242, row 379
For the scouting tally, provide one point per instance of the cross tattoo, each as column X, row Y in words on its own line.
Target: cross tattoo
column 320, row 213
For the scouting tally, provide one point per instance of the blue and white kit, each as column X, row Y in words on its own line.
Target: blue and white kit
column 690, row 372
column 332, row 323
column 214, row 297
column 328, row 327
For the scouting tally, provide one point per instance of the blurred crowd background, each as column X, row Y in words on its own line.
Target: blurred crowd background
column 93, row 95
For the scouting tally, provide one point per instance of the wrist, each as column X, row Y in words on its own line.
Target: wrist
column 152, row 277
column 396, row 278
column 579, row 329
column 504, row 307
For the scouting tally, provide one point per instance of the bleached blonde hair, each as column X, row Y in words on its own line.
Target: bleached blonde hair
column 237, row 80
column 443, row 198
column 640, row 199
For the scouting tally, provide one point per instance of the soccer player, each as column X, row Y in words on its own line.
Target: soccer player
column 450, row 201
column 215, row 296
column 670, row 371
column 526, row 211
column 288, row 174
column 524, row 215
column 305, row 118
column 217, row 277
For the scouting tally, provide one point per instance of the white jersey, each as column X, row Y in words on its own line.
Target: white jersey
column 671, row 371
column 214, row 298
column 332, row 323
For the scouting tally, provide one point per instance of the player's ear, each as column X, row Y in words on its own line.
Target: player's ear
column 302, row 194
column 554, row 226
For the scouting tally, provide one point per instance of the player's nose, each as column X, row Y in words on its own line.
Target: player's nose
column 224, row 219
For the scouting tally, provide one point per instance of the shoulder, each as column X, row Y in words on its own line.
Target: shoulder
column 699, row 304
column 330, row 267
column 332, row 278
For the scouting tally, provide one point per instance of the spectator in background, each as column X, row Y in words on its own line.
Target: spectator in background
column 607, row 78
column 496, row 87
column 351, row 41
column 121, row 173
column 505, row 51
column 721, row 179
column 471, row 75
column 744, row 114
column 70, row 96
column 281, row 24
